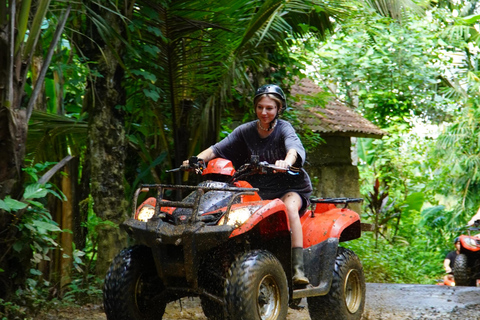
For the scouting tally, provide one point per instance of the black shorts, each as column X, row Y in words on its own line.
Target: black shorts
column 305, row 198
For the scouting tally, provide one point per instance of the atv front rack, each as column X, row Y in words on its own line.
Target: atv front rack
column 200, row 192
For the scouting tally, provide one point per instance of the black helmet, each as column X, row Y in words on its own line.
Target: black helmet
column 272, row 89
column 457, row 239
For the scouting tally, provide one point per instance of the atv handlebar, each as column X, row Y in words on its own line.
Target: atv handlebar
column 254, row 167
column 474, row 227
column 194, row 164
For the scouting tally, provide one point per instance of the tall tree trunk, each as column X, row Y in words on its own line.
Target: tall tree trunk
column 13, row 135
column 107, row 141
column 13, row 132
column 107, row 158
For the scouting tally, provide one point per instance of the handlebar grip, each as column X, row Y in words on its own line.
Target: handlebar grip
column 290, row 170
column 193, row 161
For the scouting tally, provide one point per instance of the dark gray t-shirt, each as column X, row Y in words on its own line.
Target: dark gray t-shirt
column 245, row 141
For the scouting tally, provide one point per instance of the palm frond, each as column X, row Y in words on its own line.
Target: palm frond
column 52, row 137
column 396, row 8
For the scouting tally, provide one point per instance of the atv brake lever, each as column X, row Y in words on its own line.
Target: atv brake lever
column 194, row 164
column 290, row 170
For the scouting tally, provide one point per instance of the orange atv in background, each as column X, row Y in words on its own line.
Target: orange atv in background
column 226, row 245
column 446, row 282
column 466, row 268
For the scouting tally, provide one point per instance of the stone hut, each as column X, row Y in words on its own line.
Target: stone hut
column 330, row 165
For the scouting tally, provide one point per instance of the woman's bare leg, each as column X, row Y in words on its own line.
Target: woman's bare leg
column 293, row 202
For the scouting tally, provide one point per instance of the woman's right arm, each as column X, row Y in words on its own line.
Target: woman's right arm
column 206, row 155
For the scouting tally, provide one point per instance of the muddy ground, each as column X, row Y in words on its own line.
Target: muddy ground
column 384, row 302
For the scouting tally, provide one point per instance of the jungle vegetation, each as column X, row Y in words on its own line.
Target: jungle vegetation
column 99, row 96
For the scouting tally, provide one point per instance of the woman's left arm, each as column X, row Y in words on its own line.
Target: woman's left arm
column 289, row 160
column 293, row 146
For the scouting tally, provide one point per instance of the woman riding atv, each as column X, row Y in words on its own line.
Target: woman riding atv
column 273, row 140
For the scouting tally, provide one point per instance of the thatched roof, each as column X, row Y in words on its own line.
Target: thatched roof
column 336, row 119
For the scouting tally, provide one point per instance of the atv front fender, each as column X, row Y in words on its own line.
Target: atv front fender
column 264, row 218
column 470, row 243
column 341, row 223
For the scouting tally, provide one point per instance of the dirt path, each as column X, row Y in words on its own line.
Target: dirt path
column 421, row 302
column 384, row 302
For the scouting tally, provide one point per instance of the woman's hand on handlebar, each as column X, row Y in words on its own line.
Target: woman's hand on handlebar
column 193, row 164
column 286, row 167
column 282, row 164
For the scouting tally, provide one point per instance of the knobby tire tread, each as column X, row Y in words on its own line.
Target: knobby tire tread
column 462, row 271
column 118, row 297
column 332, row 305
column 241, row 281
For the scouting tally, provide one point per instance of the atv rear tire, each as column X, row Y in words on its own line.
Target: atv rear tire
column 256, row 287
column 462, row 271
column 132, row 287
column 346, row 298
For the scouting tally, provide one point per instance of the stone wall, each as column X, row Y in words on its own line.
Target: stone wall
column 332, row 172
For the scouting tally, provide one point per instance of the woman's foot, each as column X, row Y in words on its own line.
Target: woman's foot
column 299, row 278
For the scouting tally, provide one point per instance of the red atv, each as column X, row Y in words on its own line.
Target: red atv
column 226, row 245
column 446, row 282
column 466, row 268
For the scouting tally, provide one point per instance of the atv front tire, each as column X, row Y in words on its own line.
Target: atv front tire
column 256, row 287
column 132, row 287
column 462, row 271
column 346, row 298
column 211, row 309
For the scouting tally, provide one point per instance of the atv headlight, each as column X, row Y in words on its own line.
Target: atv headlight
column 470, row 241
column 237, row 217
column 146, row 213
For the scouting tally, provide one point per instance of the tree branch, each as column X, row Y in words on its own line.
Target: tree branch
column 44, row 179
column 46, row 64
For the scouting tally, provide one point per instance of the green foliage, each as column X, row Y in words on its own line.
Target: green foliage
column 32, row 235
column 11, row 310
column 397, row 177
column 415, row 261
column 392, row 69
column 30, row 300
column 458, row 169
column 193, row 69
column 85, row 286
column 208, row 57
column 398, row 161
column 417, row 254
column 83, row 290
column 91, row 243
column 8, row 204
column 37, row 229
